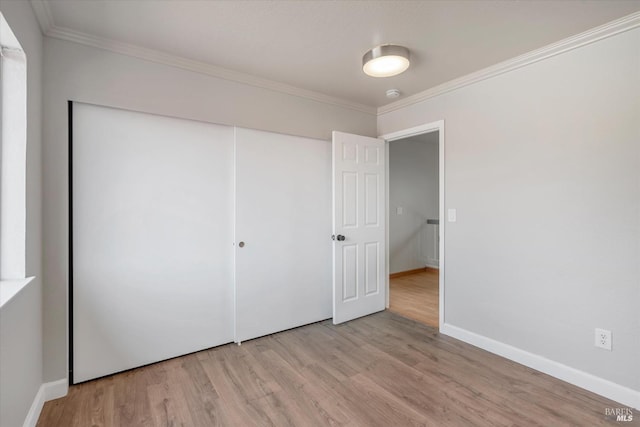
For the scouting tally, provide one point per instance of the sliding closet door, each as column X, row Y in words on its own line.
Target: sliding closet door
column 283, row 232
column 152, row 234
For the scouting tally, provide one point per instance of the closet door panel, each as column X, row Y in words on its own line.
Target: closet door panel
column 283, row 219
column 152, row 238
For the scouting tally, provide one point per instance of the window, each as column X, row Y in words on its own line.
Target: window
column 13, row 144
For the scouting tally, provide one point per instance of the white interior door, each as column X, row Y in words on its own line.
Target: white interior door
column 152, row 238
column 359, row 269
column 283, row 250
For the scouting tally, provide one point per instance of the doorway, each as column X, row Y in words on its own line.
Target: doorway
column 415, row 205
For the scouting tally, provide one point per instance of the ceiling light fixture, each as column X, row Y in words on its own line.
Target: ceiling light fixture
column 385, row 61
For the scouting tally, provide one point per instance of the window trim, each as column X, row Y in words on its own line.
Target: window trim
column 13, row 165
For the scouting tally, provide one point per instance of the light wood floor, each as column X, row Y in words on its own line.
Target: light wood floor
column 416, row 296
column 380, row 370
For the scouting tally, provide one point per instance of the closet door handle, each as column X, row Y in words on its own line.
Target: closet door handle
column 241, row 244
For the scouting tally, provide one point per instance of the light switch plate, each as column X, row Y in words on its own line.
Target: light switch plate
column 451, row 215
column 399, row 210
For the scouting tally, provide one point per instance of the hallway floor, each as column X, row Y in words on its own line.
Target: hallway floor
column 416, row 296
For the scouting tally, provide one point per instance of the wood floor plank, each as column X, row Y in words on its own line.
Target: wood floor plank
column 380, row 370
column 374, row 406
column 237, row 368
column 203, row 400
column 102, row 398
column 167, row 402
column 131, row 395
column 230, row 388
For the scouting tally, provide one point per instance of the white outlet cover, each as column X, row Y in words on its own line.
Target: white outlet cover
column 602, row 339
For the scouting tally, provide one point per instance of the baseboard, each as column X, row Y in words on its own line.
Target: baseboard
column 55, row 389
column 36, row 407
column 46, row 392
column 410, row 272
column 605, row 388
column 406, row 273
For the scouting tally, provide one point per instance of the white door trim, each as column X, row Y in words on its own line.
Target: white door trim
column 406, row 133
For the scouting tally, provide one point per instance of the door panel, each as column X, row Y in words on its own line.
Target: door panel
column 283, row 271
column 358, row 214
column 152, row 238
column 371, row 202
column 350, row 200
column 350, row 272
column 372, row 268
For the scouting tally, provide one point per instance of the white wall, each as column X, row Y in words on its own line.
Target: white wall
column 20, row 318
column 413, row 186
column 543, row 166
column 81, row 73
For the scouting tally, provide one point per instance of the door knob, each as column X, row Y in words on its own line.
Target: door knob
column 339, row 237
column 241, row 244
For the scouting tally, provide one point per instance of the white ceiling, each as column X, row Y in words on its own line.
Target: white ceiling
column 318, row 45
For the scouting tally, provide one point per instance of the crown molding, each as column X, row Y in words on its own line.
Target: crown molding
column 201, row 67
column 47, row 24
column 43, row 15
column 45, row 19
column 612, row 28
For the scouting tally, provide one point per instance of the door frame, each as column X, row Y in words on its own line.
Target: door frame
column 437, row 126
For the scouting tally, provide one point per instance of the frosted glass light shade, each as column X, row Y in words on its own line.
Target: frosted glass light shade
column 385, row 61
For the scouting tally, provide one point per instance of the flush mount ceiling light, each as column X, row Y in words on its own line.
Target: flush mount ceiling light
column 385, row 61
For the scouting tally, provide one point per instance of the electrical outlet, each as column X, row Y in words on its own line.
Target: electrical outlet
column 603, row 339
